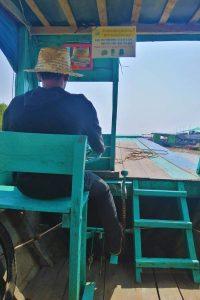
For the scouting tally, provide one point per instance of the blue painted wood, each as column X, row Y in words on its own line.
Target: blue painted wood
column 171, row 156
column 175, row 171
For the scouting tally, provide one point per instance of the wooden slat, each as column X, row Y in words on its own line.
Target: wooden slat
column 141, row 168
column 195, row 17
column 97, row 274
column 68, row 13
column 37, row 12
column 136, row 11
column 101, row 5
column 43, row 285
column 142, row 29
column 167, row 287
column 39, row 153
column 120, row 284
column 189, row 290
column 167, row 11
column 13, row 9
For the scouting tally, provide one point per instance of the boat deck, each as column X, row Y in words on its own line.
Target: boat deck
column 114, row 282
column 146, row 159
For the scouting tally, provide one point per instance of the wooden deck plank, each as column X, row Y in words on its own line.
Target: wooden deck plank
column 61, row 283
column 137, row 168
column 41, row 287
column 167, row 287
column 97, row 275
column 120, row 284
column 188, row 289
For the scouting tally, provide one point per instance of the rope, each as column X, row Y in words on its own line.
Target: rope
column 138, row 154
column 187, row 171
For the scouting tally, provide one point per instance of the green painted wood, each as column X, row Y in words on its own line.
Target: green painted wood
column 160, row 193
column 76, row 231
column 142, row 262
column 137, row 231
column 189, row 234
column 162, row 224
column 114, row 259
column 175, row 263
column 83, row 246
column 12, row 198
column 198, row 167
column 56, row 154
column 39, row 153
column 66, row 220
column 27, row 58
column 114, row 111
column 89, row 291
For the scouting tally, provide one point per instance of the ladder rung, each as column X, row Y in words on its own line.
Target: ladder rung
column 179, row 263
column 160, row 193
column 162, row 224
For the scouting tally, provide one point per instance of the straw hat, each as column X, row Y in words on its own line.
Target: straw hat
column 54, row 60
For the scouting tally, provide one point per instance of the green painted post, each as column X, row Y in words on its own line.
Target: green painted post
column 189, row 235
column 27, row 59
column 137, row 231
column 76, row 230
column 114, row 111
column 198, row 167
column 83, row 247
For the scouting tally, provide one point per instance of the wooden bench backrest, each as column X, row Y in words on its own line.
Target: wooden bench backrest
column 44, row 153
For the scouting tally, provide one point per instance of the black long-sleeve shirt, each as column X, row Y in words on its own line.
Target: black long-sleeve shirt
column 52, row 111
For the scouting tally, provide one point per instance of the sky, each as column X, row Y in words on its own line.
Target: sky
column 159, row 89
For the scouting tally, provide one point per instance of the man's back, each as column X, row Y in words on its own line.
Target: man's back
column 56, row 111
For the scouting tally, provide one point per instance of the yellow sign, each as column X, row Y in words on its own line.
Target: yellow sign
column 113, row 41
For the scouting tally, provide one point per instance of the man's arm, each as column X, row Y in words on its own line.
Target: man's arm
column 5, row 122
column 93, row 130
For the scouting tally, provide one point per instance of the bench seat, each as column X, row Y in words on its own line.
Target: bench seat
column 12, row 198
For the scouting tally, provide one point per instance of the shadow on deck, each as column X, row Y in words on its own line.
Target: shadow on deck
column 114, row 282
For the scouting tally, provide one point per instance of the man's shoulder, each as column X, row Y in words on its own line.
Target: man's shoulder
column 81, row 98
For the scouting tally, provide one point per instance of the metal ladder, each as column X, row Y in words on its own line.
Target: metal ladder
column 177, row 263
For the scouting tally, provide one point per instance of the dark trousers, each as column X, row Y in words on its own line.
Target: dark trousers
column 101, row 206
column 102, row 210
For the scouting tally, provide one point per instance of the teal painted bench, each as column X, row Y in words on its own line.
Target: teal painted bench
column 52, row 154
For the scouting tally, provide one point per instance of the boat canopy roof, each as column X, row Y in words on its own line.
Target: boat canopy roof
column 156, row 20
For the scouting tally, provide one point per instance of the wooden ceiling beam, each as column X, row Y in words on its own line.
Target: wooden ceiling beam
column 101, row 5
column 142, row 29
column 64, row 4
column 14, row 10
column 167, row 11
column 33, row 6
column 136, row 11
column 195, row 17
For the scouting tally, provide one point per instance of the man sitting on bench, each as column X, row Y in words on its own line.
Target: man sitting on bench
column 50, row 109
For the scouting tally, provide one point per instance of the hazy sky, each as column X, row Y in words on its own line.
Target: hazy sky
column 159, row 90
